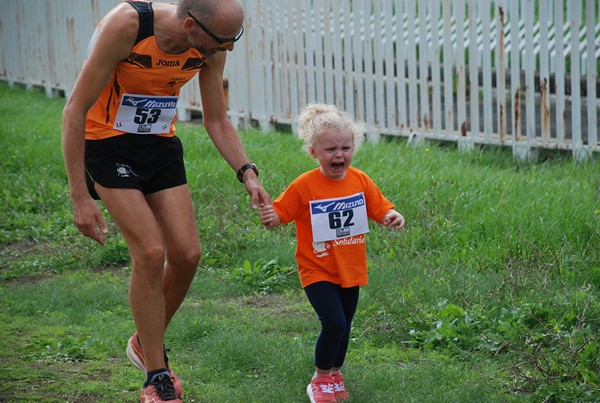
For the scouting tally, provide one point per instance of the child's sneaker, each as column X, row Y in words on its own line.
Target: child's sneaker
column 320, row 390
column 136, row 356
column 159, row 390
column 339, row 387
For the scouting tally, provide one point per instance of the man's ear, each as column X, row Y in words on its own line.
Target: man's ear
column 188, row 25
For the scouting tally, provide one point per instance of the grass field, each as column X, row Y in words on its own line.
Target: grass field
column 489, row 295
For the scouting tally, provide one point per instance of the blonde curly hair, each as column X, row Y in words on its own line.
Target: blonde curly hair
column 316, row 119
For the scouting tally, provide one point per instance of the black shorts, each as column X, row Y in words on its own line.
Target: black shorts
column 132, row 161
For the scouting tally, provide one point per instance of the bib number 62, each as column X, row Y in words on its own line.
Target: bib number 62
column 336, row 219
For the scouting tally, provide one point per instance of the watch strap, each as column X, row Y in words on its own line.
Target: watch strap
column 243, row 169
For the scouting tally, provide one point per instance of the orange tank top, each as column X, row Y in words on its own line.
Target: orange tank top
column 141, row 94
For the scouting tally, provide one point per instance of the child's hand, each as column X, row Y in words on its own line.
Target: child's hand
column 393, row 219
column 266, row 215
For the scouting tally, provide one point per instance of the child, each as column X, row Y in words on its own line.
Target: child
column 330, row 206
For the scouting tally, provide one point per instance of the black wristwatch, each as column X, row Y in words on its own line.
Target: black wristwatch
column 240, row 173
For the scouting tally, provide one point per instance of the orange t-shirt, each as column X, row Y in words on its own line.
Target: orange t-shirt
column 147, row 71
column 341, row 261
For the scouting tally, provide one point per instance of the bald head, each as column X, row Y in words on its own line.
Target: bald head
column 207, row 9
column 223, row 18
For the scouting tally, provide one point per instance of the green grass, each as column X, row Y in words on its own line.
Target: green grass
column 489, row 295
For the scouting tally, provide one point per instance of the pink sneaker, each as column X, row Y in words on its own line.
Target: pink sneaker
column 339, row 387
column 136, row 356
column 320, row 390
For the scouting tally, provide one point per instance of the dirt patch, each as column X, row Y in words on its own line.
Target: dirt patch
column 279, row 304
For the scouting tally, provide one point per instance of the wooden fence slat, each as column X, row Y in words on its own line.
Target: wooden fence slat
column 350, row 68
column 515, row 76
column 501, row 72
column 473, row 69
column 575, row 19
column 391, row 116
column 425, row 114
column 544, row 81
column 300, row 56
column 448, row 64
column 338, row 61
column 403, row 119
column 484, row 12
column 413, row 97
column 329, row 44
column 309, row 46
column 368, row 79
column 592, row 73
column 560, row 72
column 378, row 52
column 461, row 86
column 529, row 75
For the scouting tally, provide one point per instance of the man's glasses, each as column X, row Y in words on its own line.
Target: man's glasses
column 221, row 41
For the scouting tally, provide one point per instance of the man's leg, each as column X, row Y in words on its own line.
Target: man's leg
column 174, row 211
column 141, row 231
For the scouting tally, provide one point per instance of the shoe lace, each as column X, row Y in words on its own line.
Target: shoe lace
column 165, row 351
column 339, row 386
column 325, row 387
column 164, row 387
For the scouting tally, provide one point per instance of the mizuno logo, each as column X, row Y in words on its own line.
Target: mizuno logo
column 160, row 104
column 135, row 102
column 327, row 206
column 323, row 208
column 154, row 102
column 349, row 205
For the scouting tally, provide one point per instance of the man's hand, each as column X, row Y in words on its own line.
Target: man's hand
column 258, row 194
column 88, row 219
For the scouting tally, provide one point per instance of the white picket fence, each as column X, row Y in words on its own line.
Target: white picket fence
column 519, row 73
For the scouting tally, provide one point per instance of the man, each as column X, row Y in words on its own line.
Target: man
column 119, row 146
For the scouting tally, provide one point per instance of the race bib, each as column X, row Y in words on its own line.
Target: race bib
column 145, row 114
column 339, row 218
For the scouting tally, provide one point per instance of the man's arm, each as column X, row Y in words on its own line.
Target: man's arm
column 221, row 130
column 110, row 44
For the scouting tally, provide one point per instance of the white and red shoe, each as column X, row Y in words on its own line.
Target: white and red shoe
column 136, row 356
column 320, row 390
column 339, row 387
column 160, row 390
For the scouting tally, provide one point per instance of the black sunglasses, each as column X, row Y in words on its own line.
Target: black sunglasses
column 221, row 41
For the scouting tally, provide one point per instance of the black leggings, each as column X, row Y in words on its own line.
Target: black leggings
column 335, row 306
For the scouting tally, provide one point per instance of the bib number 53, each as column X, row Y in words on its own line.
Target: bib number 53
column 146, row 116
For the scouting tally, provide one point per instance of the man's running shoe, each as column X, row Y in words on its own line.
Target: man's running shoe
column 136, row 356
column 160, row 390
column 320, row 390
column 339, row 387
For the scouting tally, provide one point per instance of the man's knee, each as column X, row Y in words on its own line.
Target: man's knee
column 188, row 258
column 149, row 259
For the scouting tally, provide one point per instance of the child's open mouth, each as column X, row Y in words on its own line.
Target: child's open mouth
column 337, row 166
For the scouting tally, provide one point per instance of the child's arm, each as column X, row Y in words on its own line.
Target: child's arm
column 268, row 216
column 393, row 219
